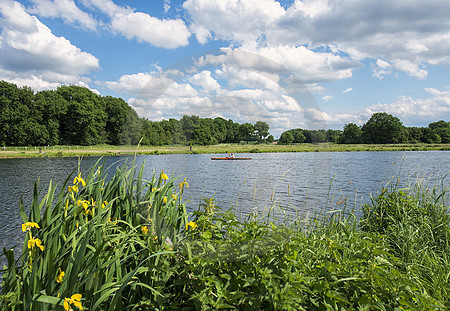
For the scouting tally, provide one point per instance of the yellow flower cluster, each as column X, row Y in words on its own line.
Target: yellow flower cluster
column 76, row 181
column 191, row 224
column 164, row 176
column 183, row 184
column 73, row 188
column 60, row 276
column 144, row 229
column 85, row 205
column 28, row 225
column 32, row 242
column 35, row 242
column 73, row 300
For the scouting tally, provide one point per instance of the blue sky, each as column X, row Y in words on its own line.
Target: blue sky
column 309, row 64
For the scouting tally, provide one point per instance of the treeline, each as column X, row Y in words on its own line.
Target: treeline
column 193, row 130
column 381, row 128
column 73, row 115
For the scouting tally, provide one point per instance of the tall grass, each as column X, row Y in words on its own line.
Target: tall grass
column 112, row 239
column 132, row 247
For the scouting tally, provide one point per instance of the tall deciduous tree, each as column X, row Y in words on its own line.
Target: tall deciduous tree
column 352, row 134
column 246, row 130
column 261, row 130
column 86, row 117
column 286, row 138
column 383, row 128
column 53, row 108
column 441, row 128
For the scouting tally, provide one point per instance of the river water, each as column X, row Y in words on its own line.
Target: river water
column 299, row 184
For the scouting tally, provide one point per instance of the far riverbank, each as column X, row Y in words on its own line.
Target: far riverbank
column 109, row 150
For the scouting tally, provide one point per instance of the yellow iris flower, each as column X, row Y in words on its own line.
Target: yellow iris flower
column 35, row 242
column 60, row 276
column 104, row 204
column 83, row 203
column 78, row 179
column 164, row 176
column 183, row 183
column 28, row 225
column 144, row 229
column 73, row 188
column 191, row 224
column 75, row 300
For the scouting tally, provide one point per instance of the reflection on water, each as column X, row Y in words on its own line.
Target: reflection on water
column 300, row 183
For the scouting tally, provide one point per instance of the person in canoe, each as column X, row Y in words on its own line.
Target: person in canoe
column 231, row 156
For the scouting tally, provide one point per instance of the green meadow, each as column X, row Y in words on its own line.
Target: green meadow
column 124, row 243
column 108, row 150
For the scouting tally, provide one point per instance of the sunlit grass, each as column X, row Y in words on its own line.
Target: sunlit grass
column 108, row 150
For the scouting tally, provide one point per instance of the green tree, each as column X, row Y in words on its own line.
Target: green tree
column 261, row 130
column 53, row 107
column 414, row 134
column 85, row 120
column 188, row 125
column 318, row 136
column 286, row 138
column 441, row 128
column 333, row 135
column 232, row 132
column 352, row 134
column 246, row 130
column 116, row 110
column 20, row 118
column 220, row 130
column 383, row 128
column 430, row 136
column 202, row 134
column 132, row 128
column 299, row 137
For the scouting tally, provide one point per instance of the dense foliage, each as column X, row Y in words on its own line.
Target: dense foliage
column 309, row 136
column 73, row 115
column 127, row 244
column 381, row 128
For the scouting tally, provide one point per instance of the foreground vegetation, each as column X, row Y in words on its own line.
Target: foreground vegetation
column 109, row 150
column 124, row 243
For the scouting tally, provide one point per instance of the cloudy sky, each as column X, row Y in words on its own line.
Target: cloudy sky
column 290, row 63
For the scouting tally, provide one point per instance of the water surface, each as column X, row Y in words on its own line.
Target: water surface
column 300, row 183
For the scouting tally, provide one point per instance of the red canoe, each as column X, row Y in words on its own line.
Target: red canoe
column 230, row 158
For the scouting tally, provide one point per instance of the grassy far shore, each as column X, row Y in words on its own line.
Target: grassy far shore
column 109, row 150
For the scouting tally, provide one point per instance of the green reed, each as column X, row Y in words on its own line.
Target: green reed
column 106, row 236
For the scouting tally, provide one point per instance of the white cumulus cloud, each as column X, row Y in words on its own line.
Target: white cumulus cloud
column 204, row 79
column 65, row 9
column 30, row 52
column 163, row 33
column 241, row 21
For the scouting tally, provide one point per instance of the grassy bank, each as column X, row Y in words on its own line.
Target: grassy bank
column 108, row 150
column 124, row 243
